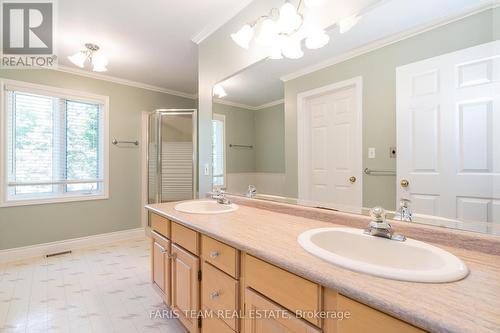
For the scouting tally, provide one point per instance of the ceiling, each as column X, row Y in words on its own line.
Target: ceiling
column 262, row 83
column 146, row 41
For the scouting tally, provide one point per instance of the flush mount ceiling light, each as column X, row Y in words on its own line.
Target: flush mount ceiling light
column 219, row 91
column 93, row 56
column 279, row 31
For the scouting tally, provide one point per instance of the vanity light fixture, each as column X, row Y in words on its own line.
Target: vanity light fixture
column 92, row 55
column 219, row 91
column 278, row 31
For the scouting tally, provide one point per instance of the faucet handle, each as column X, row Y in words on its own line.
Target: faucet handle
column 378, row 214
column 404, row 203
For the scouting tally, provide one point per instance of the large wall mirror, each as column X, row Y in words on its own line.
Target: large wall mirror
column 401, row 112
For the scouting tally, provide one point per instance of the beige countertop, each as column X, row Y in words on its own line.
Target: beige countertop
column 469, row 305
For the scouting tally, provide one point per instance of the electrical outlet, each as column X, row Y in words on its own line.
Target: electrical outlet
column 393, row 152
column 371, row 152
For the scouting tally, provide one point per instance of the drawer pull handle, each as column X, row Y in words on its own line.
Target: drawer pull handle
column 214, row 294
column 214, row 254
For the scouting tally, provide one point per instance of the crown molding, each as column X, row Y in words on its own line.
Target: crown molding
column 268, row 105
column 248, row 107
column 387, row 41
column 235, row 104
column 216, row 24
column 114, row 79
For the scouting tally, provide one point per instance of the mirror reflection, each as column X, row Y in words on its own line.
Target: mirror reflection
column 400, row 113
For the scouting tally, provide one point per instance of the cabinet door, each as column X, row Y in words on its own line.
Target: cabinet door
column 158, row 252
column 185, row 287
column 160, row 268
column 264, row 316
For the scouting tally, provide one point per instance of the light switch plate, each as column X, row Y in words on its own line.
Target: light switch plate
column 207, row 169
column 371, row 152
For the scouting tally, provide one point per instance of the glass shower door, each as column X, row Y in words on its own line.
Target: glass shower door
column 172, row 161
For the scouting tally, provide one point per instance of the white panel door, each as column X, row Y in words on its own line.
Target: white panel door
column 333, row 138
column 448, row 132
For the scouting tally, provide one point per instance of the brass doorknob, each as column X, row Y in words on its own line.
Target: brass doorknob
column 352, row 179
column 405, row 183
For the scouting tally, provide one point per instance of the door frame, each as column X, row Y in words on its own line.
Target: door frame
column 303, row 155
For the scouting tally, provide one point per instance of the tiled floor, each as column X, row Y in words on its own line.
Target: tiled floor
column 104, row 289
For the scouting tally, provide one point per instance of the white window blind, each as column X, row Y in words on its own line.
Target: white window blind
column 218, row 151
column 54, row 147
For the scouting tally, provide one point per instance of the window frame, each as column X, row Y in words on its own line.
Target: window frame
column 222, row 118
column 51, row 91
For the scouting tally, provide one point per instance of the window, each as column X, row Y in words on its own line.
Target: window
column 54, row 146
column 218, row 150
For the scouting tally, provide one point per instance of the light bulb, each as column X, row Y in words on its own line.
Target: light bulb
column 99, row 62
column 78, row 59
column 314, row 3
column 268, row 33
column 346, row 24
column 317, row 39
column 289, row 20
column 219, row 91
column 243, row 36
column 292, row 48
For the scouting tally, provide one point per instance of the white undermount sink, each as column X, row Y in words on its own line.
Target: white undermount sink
column 205, row 207
column 410, row 260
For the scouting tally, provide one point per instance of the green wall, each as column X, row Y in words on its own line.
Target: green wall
column 27, row 225
column 270, row 139
column 378, row 69
column 264, row 129
column 240, row 129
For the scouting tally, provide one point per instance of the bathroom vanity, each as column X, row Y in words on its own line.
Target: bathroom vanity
column 242, row 264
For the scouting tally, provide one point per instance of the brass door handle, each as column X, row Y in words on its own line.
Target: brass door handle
column 352, row 179
column 404, row 183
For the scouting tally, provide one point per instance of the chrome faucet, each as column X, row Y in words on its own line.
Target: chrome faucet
column 220, row 196
column 379, row 226
column 405, row 213
column 251, row 191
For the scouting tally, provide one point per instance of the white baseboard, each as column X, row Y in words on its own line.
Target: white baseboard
column 25, row 252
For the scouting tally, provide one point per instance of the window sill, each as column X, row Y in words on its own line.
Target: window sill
column 46, row 201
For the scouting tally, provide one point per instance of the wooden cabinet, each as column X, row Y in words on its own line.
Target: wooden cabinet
column 267, row 294
column 160, row 224
column 160, row 272
column 265, row 316
column 289, row 290
column 222, row 256
column 366, row 319
column 185, row 287
column 220, row 294
column 185, row 237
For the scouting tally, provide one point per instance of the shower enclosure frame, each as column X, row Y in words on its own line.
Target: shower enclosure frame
column 171, row 112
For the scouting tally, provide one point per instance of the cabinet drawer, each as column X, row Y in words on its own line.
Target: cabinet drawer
column 366, row 319
column 287, row 289
column 160, row 224
column 214, row 325
column 185, row 237
column 220, row 255
column 219, row 291
column 257, row 305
